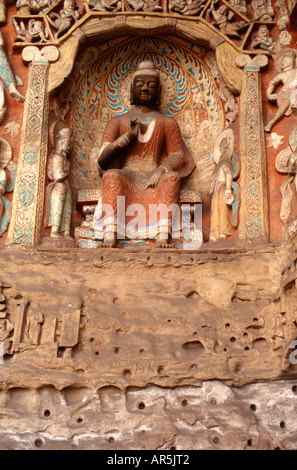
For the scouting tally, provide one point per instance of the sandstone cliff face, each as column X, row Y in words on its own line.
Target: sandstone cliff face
column 142, row 350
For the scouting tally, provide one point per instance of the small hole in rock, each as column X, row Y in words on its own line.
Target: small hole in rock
column 79, row 420
column 111, row 439
column 38, row 443
column 184, row 402
column 282, row 424
column 216, row 440
column 127, row 373
column 47, row 413
column 227, row 325
column 141, row 405
column 253, row 407
column 249, row 442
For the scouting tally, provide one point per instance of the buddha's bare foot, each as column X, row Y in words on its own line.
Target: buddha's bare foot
column 163, row 244
column 55, row 235
column 109, row 243
column 67, row 236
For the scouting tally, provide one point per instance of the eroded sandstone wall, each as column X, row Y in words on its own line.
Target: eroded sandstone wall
column 148, row 350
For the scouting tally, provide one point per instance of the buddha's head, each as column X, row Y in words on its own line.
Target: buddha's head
column 145, row 87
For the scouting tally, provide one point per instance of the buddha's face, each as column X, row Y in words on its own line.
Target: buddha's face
column 145, row 90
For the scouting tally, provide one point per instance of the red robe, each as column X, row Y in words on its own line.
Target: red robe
column 162, row 146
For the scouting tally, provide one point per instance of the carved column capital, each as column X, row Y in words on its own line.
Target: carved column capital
column 45, row 55
column 251, row 63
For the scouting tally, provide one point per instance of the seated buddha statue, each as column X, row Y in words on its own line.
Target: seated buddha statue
column 142, row 159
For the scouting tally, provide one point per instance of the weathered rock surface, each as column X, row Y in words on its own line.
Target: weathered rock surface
column 211, row 416
column 178, row 345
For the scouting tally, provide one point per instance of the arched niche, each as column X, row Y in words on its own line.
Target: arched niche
column 190, row 94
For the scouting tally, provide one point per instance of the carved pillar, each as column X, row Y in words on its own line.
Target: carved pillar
column 254, row 205
column 28, row 200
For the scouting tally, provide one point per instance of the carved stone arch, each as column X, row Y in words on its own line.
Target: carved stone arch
column 96, row 28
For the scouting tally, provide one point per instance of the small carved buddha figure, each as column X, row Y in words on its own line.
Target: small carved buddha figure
column 262, row 39
column 239, row 5
column 59, row 200
column 152, row 158
column 263, row 10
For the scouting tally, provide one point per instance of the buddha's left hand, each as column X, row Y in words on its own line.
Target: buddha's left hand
column 154, row 179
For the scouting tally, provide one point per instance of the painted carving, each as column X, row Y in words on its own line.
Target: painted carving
column 59, row 202
column 105, row 5
column 7, row 167
column 187, row 8
column 33, row 7
column 283, row 18
column 262, row 40
column 147, row 174
column 145, row 5
column 189, row 95
column 222, row 18
column 287, row 79
column 8, row 79
column 239, row 5
column 35, row 32
column 28, row 198
column 12, row 128
column 274, row 140
column 286, row 163
column 221, row 186
column 63, row 21
column 254, row 205
column 263, row 10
